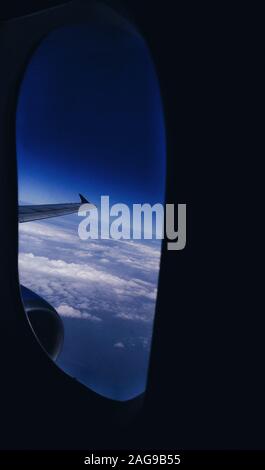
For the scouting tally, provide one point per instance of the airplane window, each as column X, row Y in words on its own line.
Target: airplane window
column 90, row 129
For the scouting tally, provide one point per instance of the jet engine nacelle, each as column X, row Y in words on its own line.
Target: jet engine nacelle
column 45, row 322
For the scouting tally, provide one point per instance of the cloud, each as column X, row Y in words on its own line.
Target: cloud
column 82, row 273
column 132, row 317
column 119, row 345
column 40, row 231
column 105, row 292
column 68, row 311
column 92, row 280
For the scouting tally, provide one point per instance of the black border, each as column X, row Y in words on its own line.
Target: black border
column 205, row 388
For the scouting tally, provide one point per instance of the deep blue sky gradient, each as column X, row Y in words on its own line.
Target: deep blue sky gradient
column 90, row 120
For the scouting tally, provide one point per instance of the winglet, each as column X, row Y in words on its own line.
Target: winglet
column 83, row 199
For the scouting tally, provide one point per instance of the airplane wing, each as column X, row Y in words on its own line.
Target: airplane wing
column 45, row 211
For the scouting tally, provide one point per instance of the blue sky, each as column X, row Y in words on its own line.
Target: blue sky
column 90, row 120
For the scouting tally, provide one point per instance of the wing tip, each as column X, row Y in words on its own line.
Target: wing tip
column 83, row 199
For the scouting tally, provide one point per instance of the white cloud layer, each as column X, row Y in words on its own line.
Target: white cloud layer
column 85, row 279
column 105, row 292
column 68, row 311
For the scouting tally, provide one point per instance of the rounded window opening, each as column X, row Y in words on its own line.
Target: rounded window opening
column 90, row 128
